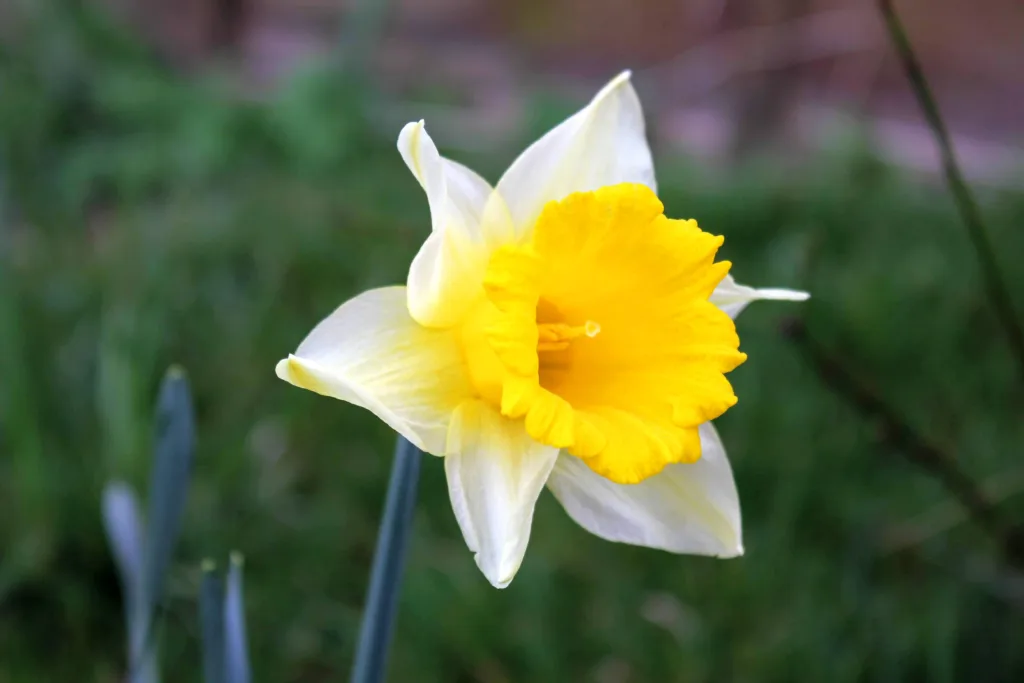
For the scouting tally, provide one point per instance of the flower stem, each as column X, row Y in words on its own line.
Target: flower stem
column 998, row 293
column 388, row 562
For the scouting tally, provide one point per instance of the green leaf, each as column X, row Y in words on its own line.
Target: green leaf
column 175, row 443
column 236, row 649
column 211, row 623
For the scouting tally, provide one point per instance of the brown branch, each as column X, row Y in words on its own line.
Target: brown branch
column 946, row 514
column 903, row 438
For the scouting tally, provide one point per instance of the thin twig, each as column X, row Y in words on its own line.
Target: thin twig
column 900, row 436
column 1000, row 583
column 732, row 53
column 947, row 514
column 995, row 284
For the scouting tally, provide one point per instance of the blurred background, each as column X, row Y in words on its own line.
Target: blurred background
column 201, row 181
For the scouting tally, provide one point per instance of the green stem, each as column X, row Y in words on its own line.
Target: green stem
column 388, row 562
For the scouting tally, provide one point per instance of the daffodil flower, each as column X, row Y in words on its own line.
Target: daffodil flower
column 556, row 329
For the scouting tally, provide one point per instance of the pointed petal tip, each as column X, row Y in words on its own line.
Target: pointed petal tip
column 783, row 294
column 737, row 551
column 622, row 79
column 294, row 371
column 409, row 128
column 281, row 369
column 410, row 140
column 290, row 369
column 500, row 584
column 499, row 577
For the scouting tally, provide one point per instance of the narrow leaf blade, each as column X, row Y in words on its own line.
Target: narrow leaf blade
column 236, row 648
column 211, row 617
column 175, row 444
column 122, row 522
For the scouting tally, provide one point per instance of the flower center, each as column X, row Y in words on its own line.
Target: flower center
column 554, row 337
column 627, row 394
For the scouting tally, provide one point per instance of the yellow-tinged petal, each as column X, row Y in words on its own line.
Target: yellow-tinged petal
column 732, row 297
column 444, row 280
column 456, row 194
column 370, row 352
column 602, row 144
column 495, row 474
column 687, row 508
column 445, row 276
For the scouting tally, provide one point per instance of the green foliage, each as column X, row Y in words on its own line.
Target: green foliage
column 144, row 557
column 156, row 220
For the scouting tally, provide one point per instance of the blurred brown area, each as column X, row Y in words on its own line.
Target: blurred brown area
column 722, row 76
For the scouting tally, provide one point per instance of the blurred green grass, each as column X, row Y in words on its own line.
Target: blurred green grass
column 152, row 219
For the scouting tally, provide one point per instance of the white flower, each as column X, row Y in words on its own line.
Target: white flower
column 556, row 330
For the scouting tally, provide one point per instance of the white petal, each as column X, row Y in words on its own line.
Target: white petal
column 495, row 474
column 456, row 194
column 603, row 144
column 370, row 352
column 687, row 508
column 445, row 276
column 732, row 297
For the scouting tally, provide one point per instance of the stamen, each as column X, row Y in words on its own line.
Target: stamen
column 556, row 336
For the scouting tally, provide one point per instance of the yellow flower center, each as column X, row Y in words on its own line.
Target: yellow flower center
column 599, row 333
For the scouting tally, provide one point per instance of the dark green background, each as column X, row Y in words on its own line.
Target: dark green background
column 151, row 219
